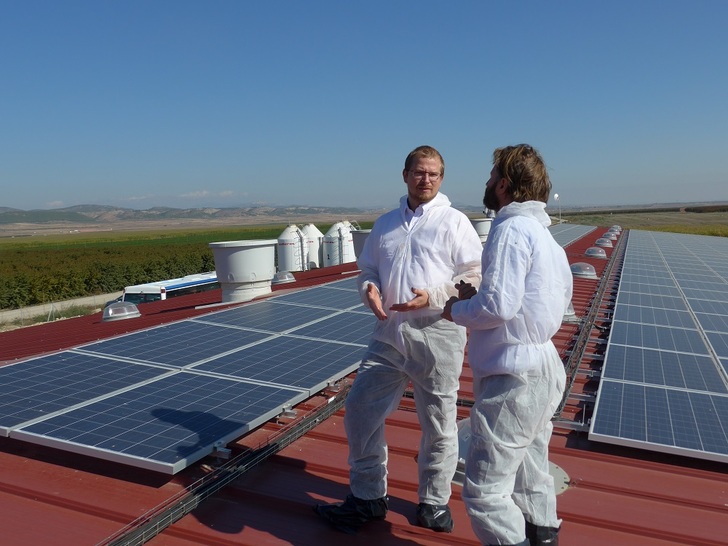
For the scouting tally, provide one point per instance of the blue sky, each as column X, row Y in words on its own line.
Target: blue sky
column 230, row 103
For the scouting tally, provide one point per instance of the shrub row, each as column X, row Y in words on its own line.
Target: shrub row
column 32, row 276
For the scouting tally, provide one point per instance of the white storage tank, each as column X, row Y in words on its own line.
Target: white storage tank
column 338, row 245
column 245, row 268
column 314, row 243
column 292, row 250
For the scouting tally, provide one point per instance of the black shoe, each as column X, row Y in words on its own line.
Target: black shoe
column 542, row 536
column 435, row 517
column 350, row 515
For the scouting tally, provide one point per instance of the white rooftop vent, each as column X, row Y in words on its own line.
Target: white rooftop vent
column 611, row 235
column 283, row 277
column 245, row 268
column 482, row 227
column 607, row 243
column 359, row 236
column 616, row 228
column 120, row 310
column 583, row 270
column 596, row 252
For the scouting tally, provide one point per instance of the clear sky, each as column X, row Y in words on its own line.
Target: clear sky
column 231, row 103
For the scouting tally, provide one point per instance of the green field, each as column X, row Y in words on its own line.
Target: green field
column 58, row 267
column 52, row 268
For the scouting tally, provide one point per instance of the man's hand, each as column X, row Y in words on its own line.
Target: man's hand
column 375, row 302
column 465, row 290
column 447, row 312
column 421, row 299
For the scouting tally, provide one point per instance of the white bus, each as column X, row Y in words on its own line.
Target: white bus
column 161, row 290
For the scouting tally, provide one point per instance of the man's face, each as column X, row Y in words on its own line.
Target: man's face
column 423, row 181
column 490, row 199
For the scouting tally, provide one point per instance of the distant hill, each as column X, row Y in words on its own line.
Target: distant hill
column 82, row 214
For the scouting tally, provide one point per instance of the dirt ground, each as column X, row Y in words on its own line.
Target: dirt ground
column 64, row 228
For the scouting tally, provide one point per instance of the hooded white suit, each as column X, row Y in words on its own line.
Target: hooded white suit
column 518, row 376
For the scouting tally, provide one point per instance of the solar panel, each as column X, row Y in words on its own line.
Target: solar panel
column 268, row 315
column 164, row 425
column 177, row 344
column 37, row 388
column 164, row 397
column 565, row 234
column 330, row 297
column 346, row 327
column 297, row 362
column 664, row 380
column 672, row 421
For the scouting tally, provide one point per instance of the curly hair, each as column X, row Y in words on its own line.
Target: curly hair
column 525, row 170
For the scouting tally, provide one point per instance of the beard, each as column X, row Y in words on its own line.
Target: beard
column 490, row 199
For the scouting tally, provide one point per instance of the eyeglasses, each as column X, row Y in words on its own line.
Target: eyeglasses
column 420, row 175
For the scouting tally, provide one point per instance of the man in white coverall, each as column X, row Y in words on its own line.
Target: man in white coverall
column 518, row 376
column 409, row 265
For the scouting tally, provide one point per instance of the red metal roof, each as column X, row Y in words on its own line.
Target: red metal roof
column 612, row 495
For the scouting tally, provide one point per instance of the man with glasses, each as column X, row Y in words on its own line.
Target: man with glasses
column 409, row 265
column 518, row 375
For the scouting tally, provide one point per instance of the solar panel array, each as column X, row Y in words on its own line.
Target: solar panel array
column 565, row 234
column 165, row 397
column 664, row 383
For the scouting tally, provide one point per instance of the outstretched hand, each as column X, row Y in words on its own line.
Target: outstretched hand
column 375, row 302
column 421, row 299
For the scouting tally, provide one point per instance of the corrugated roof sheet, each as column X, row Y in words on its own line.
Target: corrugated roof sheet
column 264, row 494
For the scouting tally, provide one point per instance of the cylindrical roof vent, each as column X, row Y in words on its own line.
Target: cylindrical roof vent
column 482, row 227
column 359, row 237
column 244, row 268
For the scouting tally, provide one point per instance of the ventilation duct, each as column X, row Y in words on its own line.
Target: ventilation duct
column 244, row 269
column 360, row 237
column 482, row 227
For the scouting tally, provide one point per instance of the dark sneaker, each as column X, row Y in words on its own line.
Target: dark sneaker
column 350, row 515
column 435, row 517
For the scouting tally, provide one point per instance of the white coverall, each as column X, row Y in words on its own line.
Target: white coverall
column 518, row 376
column 432, row 250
